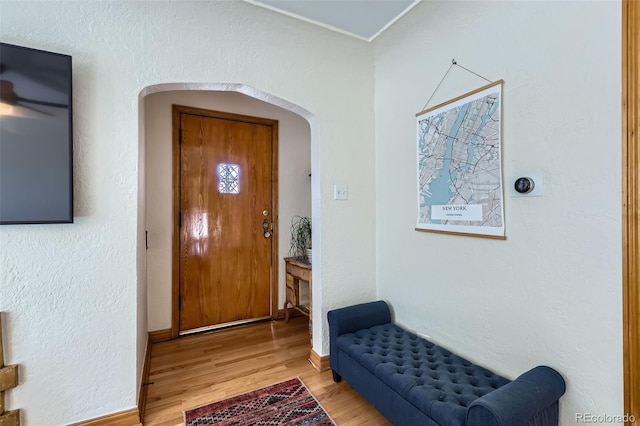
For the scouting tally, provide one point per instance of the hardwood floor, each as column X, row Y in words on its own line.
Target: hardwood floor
column 195, row 370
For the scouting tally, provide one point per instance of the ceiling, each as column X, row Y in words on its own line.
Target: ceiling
column 363, row 19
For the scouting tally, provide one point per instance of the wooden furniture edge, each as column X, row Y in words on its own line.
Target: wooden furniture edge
column 10, row 418
column 8, row 380
column 8, row 377
column 320, row 363
column 293, row 312
column 1, row 345
column 122, row 418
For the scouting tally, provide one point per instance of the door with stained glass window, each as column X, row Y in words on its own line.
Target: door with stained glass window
column 226, row 202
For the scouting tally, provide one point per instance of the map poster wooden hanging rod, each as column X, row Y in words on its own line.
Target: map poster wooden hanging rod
column 459, row 164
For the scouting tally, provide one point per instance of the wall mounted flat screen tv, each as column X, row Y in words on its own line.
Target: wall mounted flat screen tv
column 36, row 136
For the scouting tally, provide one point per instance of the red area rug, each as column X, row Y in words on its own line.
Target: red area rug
column 287, row 403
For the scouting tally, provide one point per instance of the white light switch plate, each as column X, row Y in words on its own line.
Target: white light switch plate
column 340, row 192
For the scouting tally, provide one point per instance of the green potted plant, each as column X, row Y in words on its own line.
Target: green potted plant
column 301, row 238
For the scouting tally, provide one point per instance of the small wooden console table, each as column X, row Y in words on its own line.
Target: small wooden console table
column 297, row 270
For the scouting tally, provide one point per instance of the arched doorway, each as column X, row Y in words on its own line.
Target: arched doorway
column 157, row 221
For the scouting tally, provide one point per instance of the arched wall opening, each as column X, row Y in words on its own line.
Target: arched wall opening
column 298, row 192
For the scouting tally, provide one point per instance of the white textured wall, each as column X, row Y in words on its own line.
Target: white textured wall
column 294, row 182
column 551, row 293
column 71, row 292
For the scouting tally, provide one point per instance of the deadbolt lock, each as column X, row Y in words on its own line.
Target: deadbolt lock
column 265, row 228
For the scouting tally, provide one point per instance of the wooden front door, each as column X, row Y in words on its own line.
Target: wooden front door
column 226, row 208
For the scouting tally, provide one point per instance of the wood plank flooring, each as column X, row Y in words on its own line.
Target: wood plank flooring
column 199, row 369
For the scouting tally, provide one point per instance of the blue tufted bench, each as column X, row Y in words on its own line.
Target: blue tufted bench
column 415, row 382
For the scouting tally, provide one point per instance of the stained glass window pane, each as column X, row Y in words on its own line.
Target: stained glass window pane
column 228, row 178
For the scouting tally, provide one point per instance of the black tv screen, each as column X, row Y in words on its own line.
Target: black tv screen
column 36, row 137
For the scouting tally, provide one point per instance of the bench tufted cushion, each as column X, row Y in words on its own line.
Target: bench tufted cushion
column 440, row 384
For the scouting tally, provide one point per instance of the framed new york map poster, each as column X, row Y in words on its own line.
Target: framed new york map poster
column 460, row 165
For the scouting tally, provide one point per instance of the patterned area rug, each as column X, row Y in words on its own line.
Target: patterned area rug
column 287, row 403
